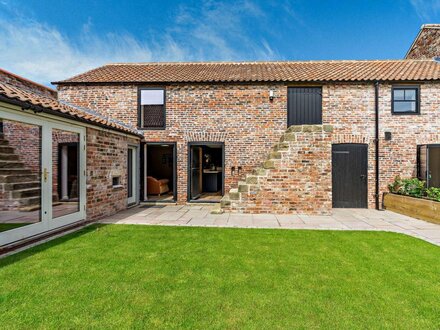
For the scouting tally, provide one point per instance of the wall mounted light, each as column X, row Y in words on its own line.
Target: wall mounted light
column 271, row 95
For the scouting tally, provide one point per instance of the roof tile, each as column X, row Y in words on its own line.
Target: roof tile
column 312, row 71
column 30, row 97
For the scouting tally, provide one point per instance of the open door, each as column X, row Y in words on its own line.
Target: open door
column 196, row 172
column 131, row 175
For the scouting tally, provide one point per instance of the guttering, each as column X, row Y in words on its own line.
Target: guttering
column 376, row 144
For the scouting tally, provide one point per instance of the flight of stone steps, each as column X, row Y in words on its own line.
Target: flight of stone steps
column 19, row 187
column 239, row 199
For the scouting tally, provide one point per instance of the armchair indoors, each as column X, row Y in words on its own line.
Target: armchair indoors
column 157, row 187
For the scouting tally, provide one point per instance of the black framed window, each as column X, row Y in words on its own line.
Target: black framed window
column 152, row 108
column 405, row 100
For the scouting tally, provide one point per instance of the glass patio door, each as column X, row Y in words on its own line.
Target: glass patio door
column 42, row 175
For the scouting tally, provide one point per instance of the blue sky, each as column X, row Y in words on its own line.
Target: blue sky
column 47, row 40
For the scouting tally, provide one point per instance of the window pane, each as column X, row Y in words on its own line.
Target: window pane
column 406, row 106
column 410, row 94
column 130, row 172
column 399, row 94
column 152, row 97
column 65, row 173
column 153, row 116
column 20, row 174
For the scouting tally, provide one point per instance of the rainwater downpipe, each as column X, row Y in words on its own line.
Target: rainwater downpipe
column 376, row 142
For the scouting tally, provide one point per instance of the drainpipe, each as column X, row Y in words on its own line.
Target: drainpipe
column 376, row 142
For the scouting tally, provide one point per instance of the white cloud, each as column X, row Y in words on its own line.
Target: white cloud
column 218, row 31
column 426, row 9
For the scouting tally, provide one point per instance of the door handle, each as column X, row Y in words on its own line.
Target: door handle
column 45, row 174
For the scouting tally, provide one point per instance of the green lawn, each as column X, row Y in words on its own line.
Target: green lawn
column 122, row 276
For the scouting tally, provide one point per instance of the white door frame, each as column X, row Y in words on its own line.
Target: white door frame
column 134, row 174
column 46, row 222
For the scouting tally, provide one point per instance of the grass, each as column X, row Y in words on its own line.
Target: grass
column 122, row 276
column 9, row 226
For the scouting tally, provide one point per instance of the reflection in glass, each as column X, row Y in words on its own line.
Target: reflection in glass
column 65, row 170
column 20, row 170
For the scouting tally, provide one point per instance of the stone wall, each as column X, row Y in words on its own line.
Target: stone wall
column 243, row 117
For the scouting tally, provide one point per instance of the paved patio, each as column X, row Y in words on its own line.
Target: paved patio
column 342, row 219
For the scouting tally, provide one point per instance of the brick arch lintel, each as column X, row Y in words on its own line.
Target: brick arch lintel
column 194, row 136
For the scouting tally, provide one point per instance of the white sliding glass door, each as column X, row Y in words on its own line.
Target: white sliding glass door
column 42, row 175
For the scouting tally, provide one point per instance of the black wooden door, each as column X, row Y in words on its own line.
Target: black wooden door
column 349, row 175
column 304, row 105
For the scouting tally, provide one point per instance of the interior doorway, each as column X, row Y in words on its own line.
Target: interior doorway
column 206, row 171
column 160, row 172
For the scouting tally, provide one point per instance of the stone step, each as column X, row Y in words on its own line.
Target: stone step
column 259, row 171
column 21, row 185
column 18, row 178
column 8, row 156
column 11, row 171
column 25, row 202
column 234, row 194
column 6, row 149
column 13, row 164
column 25, row 193
column 251, row 179
column 269, row 164
column 225, row 201
column 243, row 187
column 282, row 146
column 288, row 137
column 274, row 155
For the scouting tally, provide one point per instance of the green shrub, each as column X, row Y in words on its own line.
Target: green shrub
column 414, row 187
column 396, row 186
column 433, row 193
column 410, row 187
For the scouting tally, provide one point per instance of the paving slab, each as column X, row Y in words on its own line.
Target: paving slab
column 341, row 219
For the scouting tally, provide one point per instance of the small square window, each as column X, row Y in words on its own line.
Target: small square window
column 152, row 108
column 116, row 181
column 405, row 100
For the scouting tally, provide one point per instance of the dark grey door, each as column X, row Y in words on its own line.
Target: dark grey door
column 349, row 175
column 304, row 105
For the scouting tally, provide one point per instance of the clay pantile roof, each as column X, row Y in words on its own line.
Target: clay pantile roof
column 312, row 71
column 39, row 102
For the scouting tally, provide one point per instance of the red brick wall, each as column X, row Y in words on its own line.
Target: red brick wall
column 298, row 179
column 21, row 82
column 427, row 45
column 242, row 116
column 106, row 157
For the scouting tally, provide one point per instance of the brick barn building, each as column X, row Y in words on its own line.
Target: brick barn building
column 256, row 137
